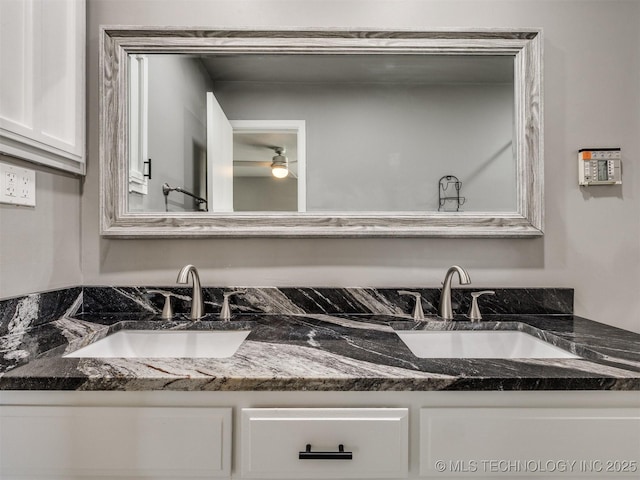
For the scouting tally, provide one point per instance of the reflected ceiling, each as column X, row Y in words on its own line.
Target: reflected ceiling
column 389, row 68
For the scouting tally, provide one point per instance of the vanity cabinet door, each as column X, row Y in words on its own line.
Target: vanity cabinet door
column 42, row 86
column 531, row 442
column 324, row 443
column 114, row 442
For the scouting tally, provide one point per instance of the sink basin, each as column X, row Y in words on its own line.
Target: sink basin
column 165, row 344
column 479, row 344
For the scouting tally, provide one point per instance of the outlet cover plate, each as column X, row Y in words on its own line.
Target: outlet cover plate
column 17, row 185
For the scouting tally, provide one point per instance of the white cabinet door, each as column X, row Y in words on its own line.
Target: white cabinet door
column 114, row 442
column 42, row 82
column 530, row 442
column 324, row 443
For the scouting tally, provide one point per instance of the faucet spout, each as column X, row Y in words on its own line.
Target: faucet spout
column 445, row 311
column 197, row 305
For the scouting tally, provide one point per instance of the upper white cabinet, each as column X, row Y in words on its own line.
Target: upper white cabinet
column 42, row 82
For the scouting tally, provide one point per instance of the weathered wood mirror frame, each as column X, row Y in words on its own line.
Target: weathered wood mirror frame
column 524, row 45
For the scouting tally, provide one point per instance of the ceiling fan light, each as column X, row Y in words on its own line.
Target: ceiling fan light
column 279, row 170
column 280, row 164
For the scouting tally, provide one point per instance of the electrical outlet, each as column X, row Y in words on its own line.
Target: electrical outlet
column 17, row 185
column 10, row 184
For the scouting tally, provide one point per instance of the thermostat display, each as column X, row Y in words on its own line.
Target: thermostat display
column 599, row 166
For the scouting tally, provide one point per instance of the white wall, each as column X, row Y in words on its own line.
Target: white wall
column 592, row 98
column 40, row 247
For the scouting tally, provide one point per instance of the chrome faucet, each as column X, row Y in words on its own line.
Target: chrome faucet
column 197, row 306
column 444, row 310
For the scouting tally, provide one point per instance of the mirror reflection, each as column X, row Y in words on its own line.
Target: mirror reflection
column 321, row 133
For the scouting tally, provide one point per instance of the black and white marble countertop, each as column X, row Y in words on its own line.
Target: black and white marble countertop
column 306, row 339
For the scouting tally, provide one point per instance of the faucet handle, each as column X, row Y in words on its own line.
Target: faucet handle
column 225, row 312
column 418, row 314
column 474, row 311
column 167, row 310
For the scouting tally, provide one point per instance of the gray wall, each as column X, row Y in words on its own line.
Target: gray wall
column 373, row 147
column 40, row 247
column 591, row 240
column 265, row 194
column 177, row 130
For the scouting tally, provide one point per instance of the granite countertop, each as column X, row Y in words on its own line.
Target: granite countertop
column 313, row 351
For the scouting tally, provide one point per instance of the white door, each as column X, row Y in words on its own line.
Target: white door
column 219, row 158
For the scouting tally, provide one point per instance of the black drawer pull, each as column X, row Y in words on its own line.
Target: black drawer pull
column 339, row 455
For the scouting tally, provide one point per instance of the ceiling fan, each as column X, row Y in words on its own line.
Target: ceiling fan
column 279, row 163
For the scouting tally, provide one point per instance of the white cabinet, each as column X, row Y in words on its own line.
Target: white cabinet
column 540, row 442
column 324, row 443
column 42, row 82
column 427, row 435
column 69, row 442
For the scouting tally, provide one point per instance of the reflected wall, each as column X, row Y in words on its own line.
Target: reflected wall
column 378, row 139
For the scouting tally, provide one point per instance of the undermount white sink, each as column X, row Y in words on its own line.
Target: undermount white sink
column 479, row 344
column 165, row 344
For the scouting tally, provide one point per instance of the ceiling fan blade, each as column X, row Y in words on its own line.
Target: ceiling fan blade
column 251, row 163
column 254, row 164
column 239, row 162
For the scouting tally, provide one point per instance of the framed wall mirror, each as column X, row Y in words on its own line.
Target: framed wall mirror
column 320, row 133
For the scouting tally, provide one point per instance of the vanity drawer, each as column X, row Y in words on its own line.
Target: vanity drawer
column 69, row 442
column 274, row 442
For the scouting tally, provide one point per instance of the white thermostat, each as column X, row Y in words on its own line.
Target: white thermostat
column 599, row 166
